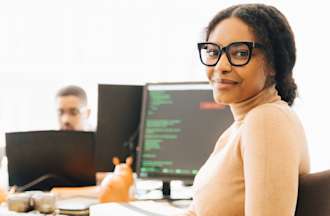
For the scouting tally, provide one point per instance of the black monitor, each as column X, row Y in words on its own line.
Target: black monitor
column 118, row 118
column 40, row 160
column 180, row 124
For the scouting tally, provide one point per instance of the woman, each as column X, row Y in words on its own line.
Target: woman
column 254, row 169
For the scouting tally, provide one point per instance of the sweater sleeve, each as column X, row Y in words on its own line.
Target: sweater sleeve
column 271, row 154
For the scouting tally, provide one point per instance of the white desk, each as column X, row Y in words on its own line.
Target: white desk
column 147, row 189
column 137, row 208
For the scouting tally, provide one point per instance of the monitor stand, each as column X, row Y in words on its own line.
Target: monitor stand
column 166, row 190
column 168, row 195
column 183, row 202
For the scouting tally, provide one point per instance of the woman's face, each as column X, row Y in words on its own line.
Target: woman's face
column 233, row 84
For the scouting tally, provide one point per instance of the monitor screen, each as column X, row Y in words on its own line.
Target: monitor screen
column 119, row 109
column 180, row 124
column 49, row 159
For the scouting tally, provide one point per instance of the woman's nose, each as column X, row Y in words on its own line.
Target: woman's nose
column 223, row 64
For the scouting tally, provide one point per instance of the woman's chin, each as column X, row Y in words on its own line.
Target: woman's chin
column 222, row 99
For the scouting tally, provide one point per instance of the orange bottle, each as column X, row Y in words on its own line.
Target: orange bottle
column 116, row 187
column 3, row 195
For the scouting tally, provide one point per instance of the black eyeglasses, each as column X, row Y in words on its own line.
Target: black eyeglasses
column 238, row 53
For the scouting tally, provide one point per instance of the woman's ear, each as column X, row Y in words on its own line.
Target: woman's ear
column 268, row 68
column 270, row 75
column 271, row 72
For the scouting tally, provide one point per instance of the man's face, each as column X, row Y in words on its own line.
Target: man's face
column 72, row 114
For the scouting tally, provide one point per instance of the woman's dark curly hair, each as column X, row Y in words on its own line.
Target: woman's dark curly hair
column 272, row 30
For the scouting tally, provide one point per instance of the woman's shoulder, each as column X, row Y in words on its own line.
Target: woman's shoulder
column 271, row 109
column 270, row 113
column 274, row 122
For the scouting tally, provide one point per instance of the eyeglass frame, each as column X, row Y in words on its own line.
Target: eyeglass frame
column 250, row 44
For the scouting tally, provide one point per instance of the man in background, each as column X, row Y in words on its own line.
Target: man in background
column 72, row 109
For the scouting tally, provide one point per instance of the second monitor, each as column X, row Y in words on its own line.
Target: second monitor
column 119, row 108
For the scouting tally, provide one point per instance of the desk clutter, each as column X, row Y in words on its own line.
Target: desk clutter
column 147, row 201
column 42, row 202
column 88, row 207
column 45, row 203
column 116, row 192
column 114, row 188
column 37, row 203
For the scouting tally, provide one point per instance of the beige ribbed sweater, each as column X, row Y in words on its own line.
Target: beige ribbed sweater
column 255, row 165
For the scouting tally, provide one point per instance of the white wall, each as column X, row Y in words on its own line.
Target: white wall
column 47, row 44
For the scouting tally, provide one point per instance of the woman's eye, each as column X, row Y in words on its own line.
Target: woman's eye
column 212, row 53
column 241, row 54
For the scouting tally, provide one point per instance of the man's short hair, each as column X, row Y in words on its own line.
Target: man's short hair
column 72, row 90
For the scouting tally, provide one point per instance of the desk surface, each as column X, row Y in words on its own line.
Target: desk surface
column 144, row 189
column 137, row 208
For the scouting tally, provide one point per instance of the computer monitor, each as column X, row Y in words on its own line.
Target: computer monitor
column 40, row 160
column 119, row 109
column 180, row 124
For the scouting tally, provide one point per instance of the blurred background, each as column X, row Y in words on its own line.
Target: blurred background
column 46, row 44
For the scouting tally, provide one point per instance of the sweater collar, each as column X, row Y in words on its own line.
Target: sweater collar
column 267, row 95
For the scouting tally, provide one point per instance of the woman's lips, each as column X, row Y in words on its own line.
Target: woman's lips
column 223, row 84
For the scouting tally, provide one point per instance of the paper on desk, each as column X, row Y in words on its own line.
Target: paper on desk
column 137, row 208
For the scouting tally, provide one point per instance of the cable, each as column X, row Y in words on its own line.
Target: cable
column 38, row 180
column 129, row 143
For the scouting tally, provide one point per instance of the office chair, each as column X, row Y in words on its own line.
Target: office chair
column 314, row 195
